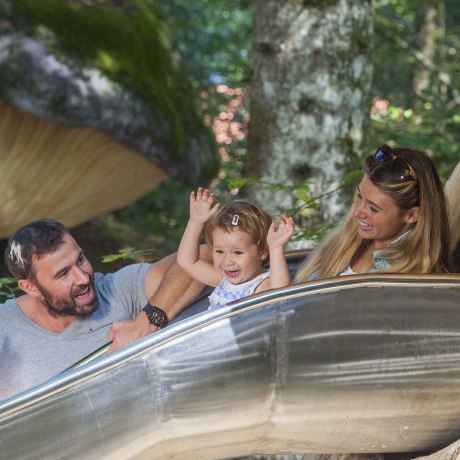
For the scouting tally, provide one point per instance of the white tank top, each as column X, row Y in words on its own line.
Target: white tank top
column 347, row 271
column 227, row 292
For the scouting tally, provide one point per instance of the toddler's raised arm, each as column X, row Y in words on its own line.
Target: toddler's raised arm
column 201, row 209
column 278, row 235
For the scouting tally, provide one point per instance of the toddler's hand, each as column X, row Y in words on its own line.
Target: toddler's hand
column 280, row 232
column 201, row 208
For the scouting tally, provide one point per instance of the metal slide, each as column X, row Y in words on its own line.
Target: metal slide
column 353, row 364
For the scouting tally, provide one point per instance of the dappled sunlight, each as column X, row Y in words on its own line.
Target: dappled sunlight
column 230, row 126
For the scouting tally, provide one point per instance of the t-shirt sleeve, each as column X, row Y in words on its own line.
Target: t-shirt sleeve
column 124, row 288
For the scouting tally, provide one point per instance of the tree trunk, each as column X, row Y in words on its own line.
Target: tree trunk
column 310, row 93
column 426, row 38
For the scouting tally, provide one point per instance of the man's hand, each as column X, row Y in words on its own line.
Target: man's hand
column 124, row 332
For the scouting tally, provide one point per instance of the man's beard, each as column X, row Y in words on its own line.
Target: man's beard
column 66, row 306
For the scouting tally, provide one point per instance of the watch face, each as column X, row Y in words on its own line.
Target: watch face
column 156, row 316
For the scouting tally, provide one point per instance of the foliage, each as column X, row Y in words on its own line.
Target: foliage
column 8, row 288
column 227, row 113
column 308, row 226
column 128, row 253
column 214, row 39
column 425, row 129
column 428, row 121
column 162, row 213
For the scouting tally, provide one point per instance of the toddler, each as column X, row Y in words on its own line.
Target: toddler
column 242, row 238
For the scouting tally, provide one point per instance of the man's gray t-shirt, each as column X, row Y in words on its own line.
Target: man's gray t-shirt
column 30, row 354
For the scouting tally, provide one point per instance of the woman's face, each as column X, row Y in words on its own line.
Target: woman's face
column 377, row 216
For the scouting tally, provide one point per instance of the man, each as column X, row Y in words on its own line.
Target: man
column 68, row 311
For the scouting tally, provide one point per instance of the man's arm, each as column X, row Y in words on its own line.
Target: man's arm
column 168, row 287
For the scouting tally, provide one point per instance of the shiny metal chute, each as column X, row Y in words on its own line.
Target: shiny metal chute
column 354, row 364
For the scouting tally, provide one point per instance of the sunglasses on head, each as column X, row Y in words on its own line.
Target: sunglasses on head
column 400, row 169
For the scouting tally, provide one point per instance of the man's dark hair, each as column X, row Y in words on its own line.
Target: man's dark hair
column 33, row 240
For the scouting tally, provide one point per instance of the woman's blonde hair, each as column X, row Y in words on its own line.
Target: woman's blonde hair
column 241, row 215
column 410, row 179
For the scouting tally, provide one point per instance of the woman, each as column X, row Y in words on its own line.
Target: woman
column 398, row 222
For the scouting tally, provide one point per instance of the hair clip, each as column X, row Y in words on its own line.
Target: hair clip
column 235, row 220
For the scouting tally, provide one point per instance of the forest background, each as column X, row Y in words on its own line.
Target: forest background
column 414, row 101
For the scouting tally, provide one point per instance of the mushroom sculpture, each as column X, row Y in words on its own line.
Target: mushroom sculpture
column 94, row 113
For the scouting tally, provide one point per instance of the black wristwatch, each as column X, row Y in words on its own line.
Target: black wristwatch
column 156, row 316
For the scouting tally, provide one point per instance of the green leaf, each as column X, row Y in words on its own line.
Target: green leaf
column 123, row 254
column 6, row 281
column 8, row 288
column 239, row 182
column 352, row 176
column 395, row 112
column 303, row 193
column 277, row 186
column 408, row 113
